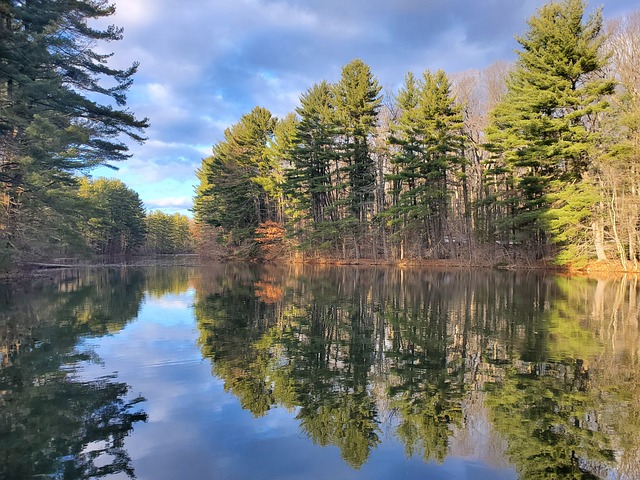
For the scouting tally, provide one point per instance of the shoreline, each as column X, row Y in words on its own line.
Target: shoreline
column 41, row 269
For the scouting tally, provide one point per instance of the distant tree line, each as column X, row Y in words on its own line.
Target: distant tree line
column 533, row 161
column 115, row 222
column 169, row 233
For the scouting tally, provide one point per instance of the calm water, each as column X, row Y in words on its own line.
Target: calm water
column 233, row 372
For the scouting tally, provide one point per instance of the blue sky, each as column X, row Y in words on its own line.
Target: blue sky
column 204, row 63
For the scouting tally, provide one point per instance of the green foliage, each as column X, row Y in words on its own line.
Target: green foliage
column 544, row 419
column 168, row 233
column 357, row 101
column 544, row 126
column 310, row 181
column 332, row 178
column 239, row 183
column 116, row 219
column 313, row 152
column 485, row 175
column 428, row 137
column 49, row 415
column 568, row 220
column 52, row 124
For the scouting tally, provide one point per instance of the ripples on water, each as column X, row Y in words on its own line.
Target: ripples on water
column 238, row 372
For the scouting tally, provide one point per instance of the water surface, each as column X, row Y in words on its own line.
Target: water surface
column 235, row 372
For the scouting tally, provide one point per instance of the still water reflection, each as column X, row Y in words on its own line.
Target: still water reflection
column 239, row 372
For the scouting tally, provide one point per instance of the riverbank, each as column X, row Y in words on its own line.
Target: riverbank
column 39, row 269
column 44, row 268
column 596, row 267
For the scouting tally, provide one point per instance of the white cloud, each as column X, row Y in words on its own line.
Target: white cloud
column 170, row 202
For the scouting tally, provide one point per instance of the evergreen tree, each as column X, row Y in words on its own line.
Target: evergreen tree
column 405, row 137
column 544, row 127
column 116, row 223
column 278, row 153
column 168, row 233
column 429, row 140
column 357, row 103
column 311, row 178
column 238, row 183
column 52, row 124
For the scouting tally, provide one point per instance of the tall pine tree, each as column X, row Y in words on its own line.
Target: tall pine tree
column 545, row 126
column 237, row 188
column 429, row 150
column 312, row 176
column 357, row 104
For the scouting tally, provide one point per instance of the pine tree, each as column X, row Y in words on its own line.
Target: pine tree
column 357, row 103
column 237, row 183
column 406, row 137
column 116, row 219
column 312, row 176
column 544, row 127
column 441, row 124
column 168, row 233
column 52, row 124
column 429, row 141
column 278, row 153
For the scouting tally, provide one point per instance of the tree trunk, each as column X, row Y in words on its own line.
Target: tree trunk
column 622, row 253
column 598, row 239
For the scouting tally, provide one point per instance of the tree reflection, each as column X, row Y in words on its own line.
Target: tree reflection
column 331, row 353
column 168, row 280
column 545, row 419
column 555, row 409
column 51, row 423
column 428, row 386
column 357, row 351
column 231, row 320
column 316, row 354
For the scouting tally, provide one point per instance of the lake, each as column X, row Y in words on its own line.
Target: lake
column 246, row 372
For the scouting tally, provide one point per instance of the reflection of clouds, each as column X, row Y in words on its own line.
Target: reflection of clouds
column 181, row 301
column 194, row 427
column 170, row 303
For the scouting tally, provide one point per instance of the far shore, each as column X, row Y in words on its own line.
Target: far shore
column 44, row 268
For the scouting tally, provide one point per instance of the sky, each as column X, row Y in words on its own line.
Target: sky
column 205, row 63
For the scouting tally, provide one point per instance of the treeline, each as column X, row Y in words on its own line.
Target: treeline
column 114, row 222
column 517, row 163
column 62, row 112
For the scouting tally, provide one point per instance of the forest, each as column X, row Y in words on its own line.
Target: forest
column 529, row 163
column 54, row 131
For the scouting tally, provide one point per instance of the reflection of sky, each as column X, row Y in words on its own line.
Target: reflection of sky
column 196, row 430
